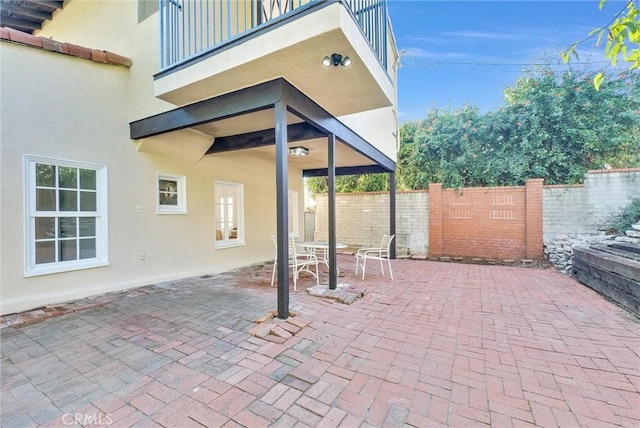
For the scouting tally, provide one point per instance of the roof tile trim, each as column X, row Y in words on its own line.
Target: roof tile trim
column 51, row 45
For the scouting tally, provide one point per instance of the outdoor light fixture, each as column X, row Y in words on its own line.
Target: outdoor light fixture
column 299, row 151
column 336, row 59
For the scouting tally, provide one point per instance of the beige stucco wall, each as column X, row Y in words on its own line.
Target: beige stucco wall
column 68, row 108
column 379, row 127
column 113, row 25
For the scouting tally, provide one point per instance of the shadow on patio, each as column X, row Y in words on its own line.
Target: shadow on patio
column 442, row 344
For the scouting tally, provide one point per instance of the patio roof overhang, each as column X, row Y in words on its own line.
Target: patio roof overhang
column 310, row 121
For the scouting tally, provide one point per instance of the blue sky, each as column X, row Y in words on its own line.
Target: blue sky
column 466, row 52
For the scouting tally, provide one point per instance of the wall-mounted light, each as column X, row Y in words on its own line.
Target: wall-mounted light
column 336, row 59
column 299, row 151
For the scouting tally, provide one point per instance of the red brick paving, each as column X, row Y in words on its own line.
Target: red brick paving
column 443, row 344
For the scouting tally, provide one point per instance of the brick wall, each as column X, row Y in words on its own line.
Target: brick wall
column 362, row 219
column 580, row 209
column 541, row 214
column 490, row 222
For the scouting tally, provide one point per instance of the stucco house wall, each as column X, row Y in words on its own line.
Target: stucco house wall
column 68, row 108
column 113, row 25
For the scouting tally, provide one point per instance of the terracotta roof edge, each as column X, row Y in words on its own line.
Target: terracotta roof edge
column 95, row 55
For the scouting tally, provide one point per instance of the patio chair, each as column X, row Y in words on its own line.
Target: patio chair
column 298, row 262
column 380, row 253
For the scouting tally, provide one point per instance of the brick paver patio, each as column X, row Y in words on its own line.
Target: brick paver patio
column 442, row 344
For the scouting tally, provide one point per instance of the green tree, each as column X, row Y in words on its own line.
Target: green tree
column 554, row 126
column 567, row 126
column 350, row 183
column 623, row 39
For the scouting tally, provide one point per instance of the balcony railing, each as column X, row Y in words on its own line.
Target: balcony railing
column 189, row 28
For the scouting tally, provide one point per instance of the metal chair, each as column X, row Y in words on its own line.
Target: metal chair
column 298, row 262
column 380, row 253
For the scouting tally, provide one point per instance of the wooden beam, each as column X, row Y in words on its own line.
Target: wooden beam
column 618, row 288
column 21, row 23
column 305, row 108
column 24, row 11
column 243, row 101
column 54, row 4
column 345, row 170
column 267, row 137
column 262, row 97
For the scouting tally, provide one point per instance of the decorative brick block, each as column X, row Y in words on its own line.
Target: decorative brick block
column 98, row 56
column 118, row 59
column 280, row 332
column 25, row 38
column 54, row 46
column 51, row 45
column 79, row 51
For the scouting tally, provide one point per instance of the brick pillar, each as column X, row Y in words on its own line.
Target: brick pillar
column 435, row 219
column 533, row 224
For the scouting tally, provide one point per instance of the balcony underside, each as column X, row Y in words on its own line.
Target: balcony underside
column 292, row 49
column 245, row 120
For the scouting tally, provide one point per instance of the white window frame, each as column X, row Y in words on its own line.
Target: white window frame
column 181, row 193
column 30, row 214
column 239, row 240
column 294, row 213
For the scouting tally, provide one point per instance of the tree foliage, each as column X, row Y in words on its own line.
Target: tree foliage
column 552, row 126
column 350, row 183
column 623, row 39
column 623, row 36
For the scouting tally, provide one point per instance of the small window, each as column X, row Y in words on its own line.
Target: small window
column 229, row 214
column 66, row 209
column 293, row 213
column 172, row 195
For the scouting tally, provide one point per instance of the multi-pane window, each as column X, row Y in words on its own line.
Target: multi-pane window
column 171, row 191
column 66, row 209
column 229, row 214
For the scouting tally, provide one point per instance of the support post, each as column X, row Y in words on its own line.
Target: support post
column 282, row 208
column 534, row 243
column 392, row 213
column 331, row 178
column 436, row 240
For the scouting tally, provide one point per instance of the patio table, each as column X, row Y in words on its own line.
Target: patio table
column 321, row 250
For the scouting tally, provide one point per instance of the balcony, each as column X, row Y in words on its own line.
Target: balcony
column 189, row 28
column 212, row 47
